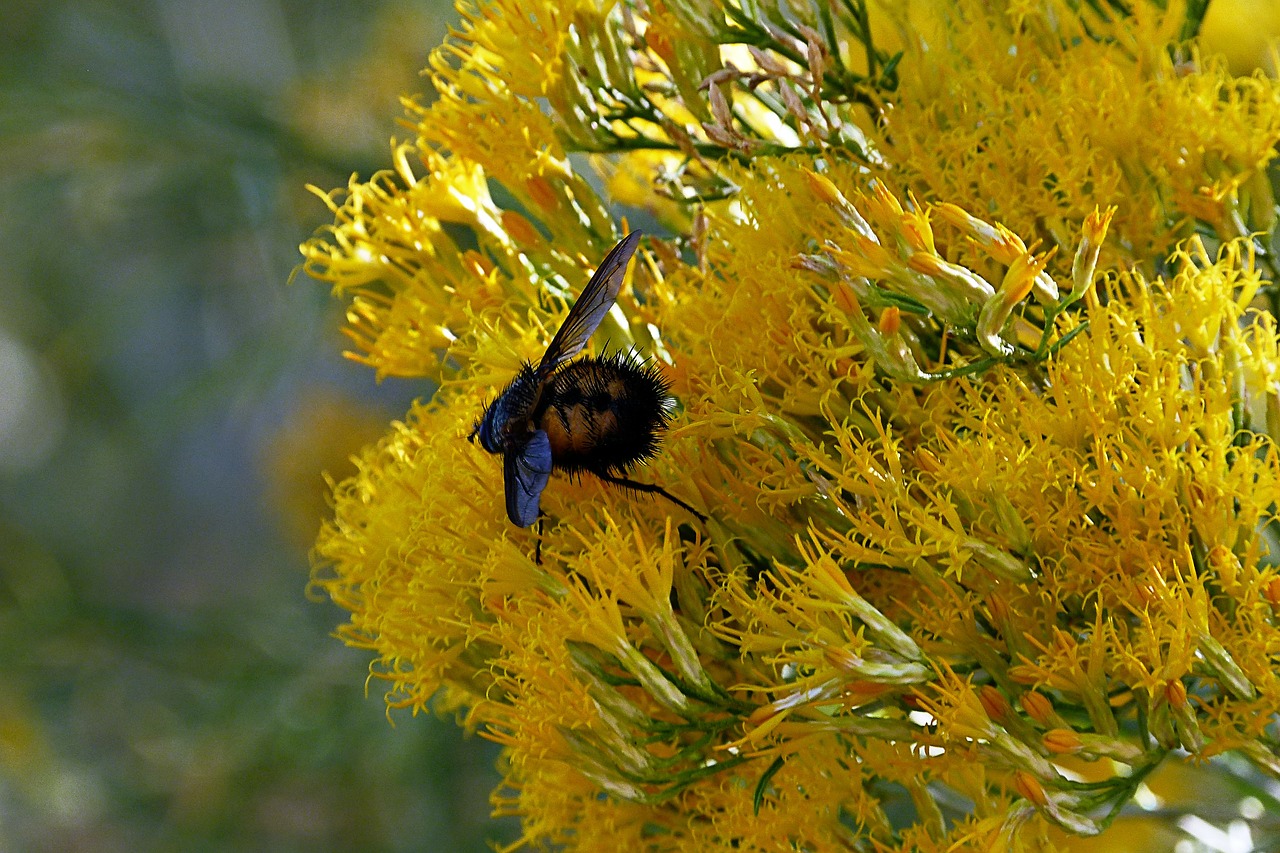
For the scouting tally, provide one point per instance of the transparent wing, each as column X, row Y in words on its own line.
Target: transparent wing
column 525, row 475
column 596, row 300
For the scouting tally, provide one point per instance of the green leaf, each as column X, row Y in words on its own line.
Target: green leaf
column 765, row 778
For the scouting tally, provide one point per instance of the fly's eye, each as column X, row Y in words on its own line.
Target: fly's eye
column 490, row 426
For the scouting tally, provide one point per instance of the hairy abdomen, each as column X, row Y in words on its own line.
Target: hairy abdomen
column 603, row 414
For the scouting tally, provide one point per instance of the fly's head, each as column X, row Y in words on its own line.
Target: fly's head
column 486, row 429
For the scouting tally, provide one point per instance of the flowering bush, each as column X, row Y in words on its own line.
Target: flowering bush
column 970, row 319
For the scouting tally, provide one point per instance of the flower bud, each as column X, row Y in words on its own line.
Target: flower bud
column 1037, row 706
column 1062, row 741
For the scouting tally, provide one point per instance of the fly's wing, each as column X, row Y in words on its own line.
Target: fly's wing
column 525, row 475
column 596, row 300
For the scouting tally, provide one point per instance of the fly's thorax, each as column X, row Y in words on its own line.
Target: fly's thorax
column 603, row 414
column 505, row 421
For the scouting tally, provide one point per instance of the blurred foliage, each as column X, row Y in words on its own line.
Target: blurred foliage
column 165, row 684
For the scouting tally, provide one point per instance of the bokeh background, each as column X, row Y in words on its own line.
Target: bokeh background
column 167, row 405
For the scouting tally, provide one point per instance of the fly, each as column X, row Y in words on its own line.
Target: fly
column 599, row 414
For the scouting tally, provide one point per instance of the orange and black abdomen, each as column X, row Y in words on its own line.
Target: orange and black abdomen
column 603, row 414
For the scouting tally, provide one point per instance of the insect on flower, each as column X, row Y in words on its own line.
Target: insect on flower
column 599, row 414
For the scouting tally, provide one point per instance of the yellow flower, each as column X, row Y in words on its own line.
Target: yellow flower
column 975, row 375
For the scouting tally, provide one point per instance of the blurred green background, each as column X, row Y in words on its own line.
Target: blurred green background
column 167, row 403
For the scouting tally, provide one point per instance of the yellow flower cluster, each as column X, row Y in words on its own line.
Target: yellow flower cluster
column 978, row 385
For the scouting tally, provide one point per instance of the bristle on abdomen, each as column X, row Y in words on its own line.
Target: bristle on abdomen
column 603, row 413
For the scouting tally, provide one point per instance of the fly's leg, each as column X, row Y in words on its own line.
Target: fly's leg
column 623, row 482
